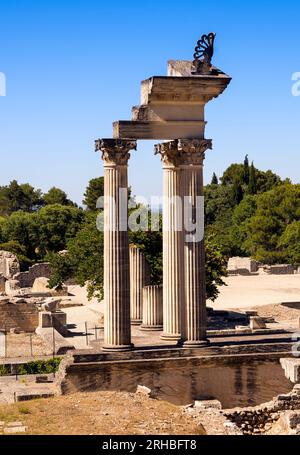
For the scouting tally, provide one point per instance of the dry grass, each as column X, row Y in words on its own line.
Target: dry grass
column 104, row 413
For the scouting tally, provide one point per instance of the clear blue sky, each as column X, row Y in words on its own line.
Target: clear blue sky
column 73, row 67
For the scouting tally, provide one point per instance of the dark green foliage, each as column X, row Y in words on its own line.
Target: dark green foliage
column 83, row 261
column 34, row 367
column 237, row 192
column 94, row 190
column 15, row 197
column 56, row 196
column 40, row 366
column 246, row 171
column 214, row 179
column 272, row 231
column 252, row 186
column 216, row 268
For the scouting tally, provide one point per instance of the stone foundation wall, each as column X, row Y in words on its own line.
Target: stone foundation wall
column 21, row 316
column 26, row 279
column 233, row 380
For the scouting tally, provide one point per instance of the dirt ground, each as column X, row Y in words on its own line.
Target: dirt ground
column 100, row 413
column 250, row 291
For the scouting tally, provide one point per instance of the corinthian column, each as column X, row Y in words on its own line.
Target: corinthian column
column 173, row 272
column 139, row 277
column 194, row 309
column 115, row 155
column 152, row 308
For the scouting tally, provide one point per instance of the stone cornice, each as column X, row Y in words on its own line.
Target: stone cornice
column 183, row 152
column 115, row 151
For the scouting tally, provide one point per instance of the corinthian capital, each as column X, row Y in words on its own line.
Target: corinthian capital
column 115, row 151
column 169, row 153
column 193, row 150
column 183, row 151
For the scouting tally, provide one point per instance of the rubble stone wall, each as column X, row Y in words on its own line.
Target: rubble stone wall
column 21, row 316
column 26, row 279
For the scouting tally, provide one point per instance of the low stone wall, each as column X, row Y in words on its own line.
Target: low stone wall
column 20, row 316
column 238, row 380
column 26, row 279
column 281, row 269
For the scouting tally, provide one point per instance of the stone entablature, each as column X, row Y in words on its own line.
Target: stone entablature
column 172, row 106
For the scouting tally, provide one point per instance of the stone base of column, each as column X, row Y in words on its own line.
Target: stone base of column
column 195, row 344
column 151, row 327
column 170, row 337
column 136, row 321
column 121, row 348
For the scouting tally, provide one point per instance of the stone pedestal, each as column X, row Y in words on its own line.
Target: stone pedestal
column 139, row 277
column 152, row 308
column 115, row 154
column 173, row 287
column 46, row 318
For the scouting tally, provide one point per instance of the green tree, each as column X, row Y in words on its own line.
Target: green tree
column 276, row 210
column 57, row 224
column 290, row 241
column 239, row 228
column 237, row 192
column 94, row 190
column 15, row 197
column 56, row 196
column 234, row 173
column 215, row 268
column 83, row 260
column 22, row 227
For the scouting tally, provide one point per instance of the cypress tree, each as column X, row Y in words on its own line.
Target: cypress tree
column 252, row 187
column 214, row 180
column 246, row 173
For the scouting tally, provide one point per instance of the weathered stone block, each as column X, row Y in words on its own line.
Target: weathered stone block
column 9, row 264
column 12, row 287
column 242, row 266
column 257, row 323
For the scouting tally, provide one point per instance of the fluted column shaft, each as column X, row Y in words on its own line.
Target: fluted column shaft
column 152, row 308
column 139, row 277
column 194, row 322
column 117, row 332
column 173, row 291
